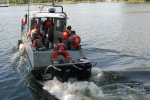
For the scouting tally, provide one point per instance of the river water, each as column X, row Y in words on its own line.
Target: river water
column 115, row 35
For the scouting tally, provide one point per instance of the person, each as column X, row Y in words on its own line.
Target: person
column 32, row 28
column 48, row 28
column 30, row 33
column 37, row 38
column 23, row 22
column 48, row 37
column 47, row 24
column 66, row 33
column 51, row 33
column 69, row 30
column 73, row 41
column 59, row 45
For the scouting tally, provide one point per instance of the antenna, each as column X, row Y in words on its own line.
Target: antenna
column 53, row 2
column 28, row 12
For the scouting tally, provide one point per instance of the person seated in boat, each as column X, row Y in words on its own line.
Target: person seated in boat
column 69, row 30
column 32, row 29
column 37, row 38
column 73, row 41
column 59, row 45
column 48, row 28
column 66, row 33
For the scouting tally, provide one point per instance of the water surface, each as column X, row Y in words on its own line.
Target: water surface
column 116, row 35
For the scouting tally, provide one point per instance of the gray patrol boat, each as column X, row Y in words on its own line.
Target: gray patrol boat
column 43, row 65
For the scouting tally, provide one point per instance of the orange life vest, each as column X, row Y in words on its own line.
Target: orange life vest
column 23, row 21
column 76, row 40
column 65, row 35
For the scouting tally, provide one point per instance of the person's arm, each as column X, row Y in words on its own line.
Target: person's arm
column 33, row 36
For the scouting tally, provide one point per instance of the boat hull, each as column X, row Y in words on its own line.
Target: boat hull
column 79, row 71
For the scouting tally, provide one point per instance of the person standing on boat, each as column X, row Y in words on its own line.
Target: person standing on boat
column 37, row 38
column 48, row 28
column 23, row 22
column 48, row 37
column 47, row 24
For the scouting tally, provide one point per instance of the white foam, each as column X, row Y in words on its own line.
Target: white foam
column 21, row 49
column 77, row 90
column 14, row 58
column 96, row 74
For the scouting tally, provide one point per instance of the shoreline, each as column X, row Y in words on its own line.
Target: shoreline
column 72, row 2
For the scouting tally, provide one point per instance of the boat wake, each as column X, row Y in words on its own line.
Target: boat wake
column 76, row 90
column 101, row 85
column 115, row 60
column 20, row 64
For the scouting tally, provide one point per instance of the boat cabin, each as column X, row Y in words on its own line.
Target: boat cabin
column 58, row 19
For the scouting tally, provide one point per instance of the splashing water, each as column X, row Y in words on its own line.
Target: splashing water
column 101, row 86
column 77, row 90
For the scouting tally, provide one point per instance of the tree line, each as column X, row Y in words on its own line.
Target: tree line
column 38, row 1
column 48, row 1
column 23, row 1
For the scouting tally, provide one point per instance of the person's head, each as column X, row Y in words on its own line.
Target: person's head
column 73, row 32
column 69, row 27
column 36, row 27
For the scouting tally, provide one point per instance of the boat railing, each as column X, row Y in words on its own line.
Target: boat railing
column 57, row 6
column 67, row 64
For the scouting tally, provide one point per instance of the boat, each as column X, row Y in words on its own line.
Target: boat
column 4, row 5
column 47, row 63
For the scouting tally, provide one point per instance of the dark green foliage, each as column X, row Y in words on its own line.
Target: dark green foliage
column 48, row 1
column 37, row 1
